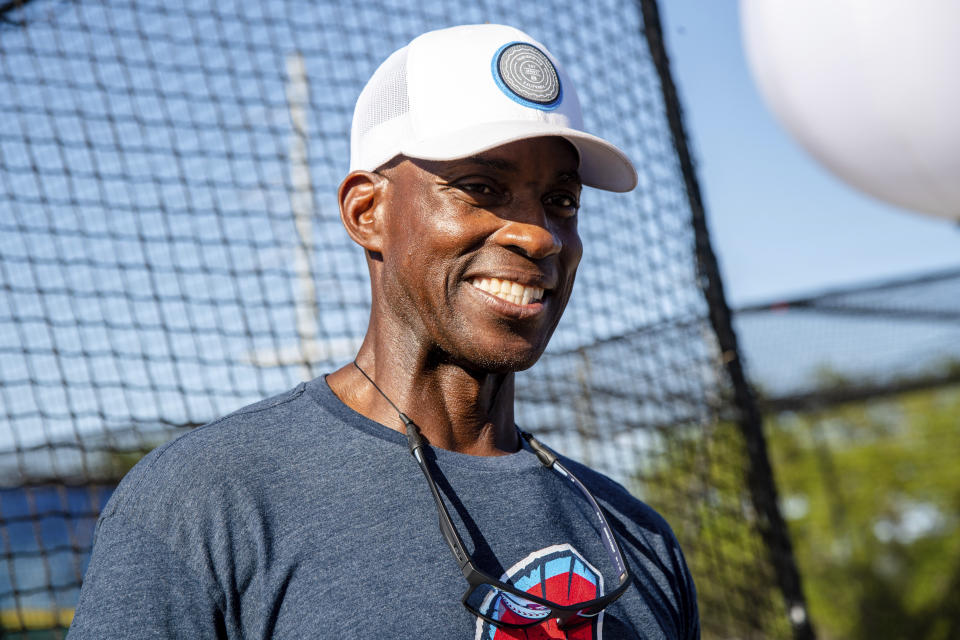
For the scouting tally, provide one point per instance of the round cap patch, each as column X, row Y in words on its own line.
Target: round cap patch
column 527, row 73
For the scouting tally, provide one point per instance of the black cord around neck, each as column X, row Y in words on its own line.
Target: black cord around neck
column 380, row 391
column 414, row 438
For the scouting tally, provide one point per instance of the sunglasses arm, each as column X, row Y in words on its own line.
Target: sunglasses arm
column 549, row 459
column 416, row 443
column 546, row 457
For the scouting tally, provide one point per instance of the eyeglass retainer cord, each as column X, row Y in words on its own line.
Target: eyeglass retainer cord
column 416, row 441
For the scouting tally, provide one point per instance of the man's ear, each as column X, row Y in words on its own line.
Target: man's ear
column 361, row 208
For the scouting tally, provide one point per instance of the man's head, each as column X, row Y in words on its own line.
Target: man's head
column 466, row 198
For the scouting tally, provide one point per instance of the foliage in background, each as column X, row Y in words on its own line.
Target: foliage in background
column 871, row 492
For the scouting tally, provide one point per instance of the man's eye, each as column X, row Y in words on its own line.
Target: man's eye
column 563, row 201
column 477, row 187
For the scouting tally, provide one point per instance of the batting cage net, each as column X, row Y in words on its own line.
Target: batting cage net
column 170, row 250
column 861, row 390
column 854, row 343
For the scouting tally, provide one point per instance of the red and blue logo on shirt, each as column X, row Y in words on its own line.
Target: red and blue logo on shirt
column 560, row 574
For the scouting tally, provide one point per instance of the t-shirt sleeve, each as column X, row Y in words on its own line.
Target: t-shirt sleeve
column 688, row 624
column 689, row 602
column 137, row 587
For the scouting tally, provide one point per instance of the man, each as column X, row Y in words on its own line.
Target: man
column 304, row 515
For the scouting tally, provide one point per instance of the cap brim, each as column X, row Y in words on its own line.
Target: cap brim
column 602, row 165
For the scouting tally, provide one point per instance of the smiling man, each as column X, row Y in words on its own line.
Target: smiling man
column 304, row 515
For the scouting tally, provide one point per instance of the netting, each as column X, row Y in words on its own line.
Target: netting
column 170, row 250
column 856, row 342
column 862, row 389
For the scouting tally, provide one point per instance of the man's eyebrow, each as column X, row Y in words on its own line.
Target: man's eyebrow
column 499, row 164
column 502, row 164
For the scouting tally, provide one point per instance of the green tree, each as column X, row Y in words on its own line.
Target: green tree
column 871, row 492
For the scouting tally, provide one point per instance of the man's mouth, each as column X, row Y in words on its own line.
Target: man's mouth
column 508, row 290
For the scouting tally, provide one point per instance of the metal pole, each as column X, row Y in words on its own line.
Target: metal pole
column 763, row 491
column 301, row 202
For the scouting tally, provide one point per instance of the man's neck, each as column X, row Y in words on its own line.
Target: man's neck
column 456, row 409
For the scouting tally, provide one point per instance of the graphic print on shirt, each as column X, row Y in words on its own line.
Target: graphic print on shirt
column 558, row 573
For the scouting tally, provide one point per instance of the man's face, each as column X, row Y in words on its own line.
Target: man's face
column 479, row 254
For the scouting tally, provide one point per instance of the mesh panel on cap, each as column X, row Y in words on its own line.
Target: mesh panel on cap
column 386, row 94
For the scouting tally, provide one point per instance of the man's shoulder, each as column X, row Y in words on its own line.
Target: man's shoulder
column 255, row 421
column 618, row 500
column 207, row 462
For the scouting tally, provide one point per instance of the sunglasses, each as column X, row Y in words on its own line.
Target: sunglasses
column 502, row 604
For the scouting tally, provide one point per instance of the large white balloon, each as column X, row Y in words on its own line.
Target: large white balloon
column 871, row 88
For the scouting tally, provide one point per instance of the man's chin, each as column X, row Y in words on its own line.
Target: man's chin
column 500, row 360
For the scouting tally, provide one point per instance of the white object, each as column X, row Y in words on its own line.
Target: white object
column 870, row 88
column 456, row 92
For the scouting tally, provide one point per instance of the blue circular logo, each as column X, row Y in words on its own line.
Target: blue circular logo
column 526, row 74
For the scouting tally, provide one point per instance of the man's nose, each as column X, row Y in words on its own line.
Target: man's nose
column 529, row 231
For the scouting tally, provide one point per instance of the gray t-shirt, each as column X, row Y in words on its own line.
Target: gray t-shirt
column 297, row 517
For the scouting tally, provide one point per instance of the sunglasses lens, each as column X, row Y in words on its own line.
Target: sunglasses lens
column 506, row 607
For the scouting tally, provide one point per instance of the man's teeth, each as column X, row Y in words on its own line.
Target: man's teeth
column 510, row 291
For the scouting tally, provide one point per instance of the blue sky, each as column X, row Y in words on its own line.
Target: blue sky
column 781, row 224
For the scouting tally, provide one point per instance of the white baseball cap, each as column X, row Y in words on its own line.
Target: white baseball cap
column 456, row 92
